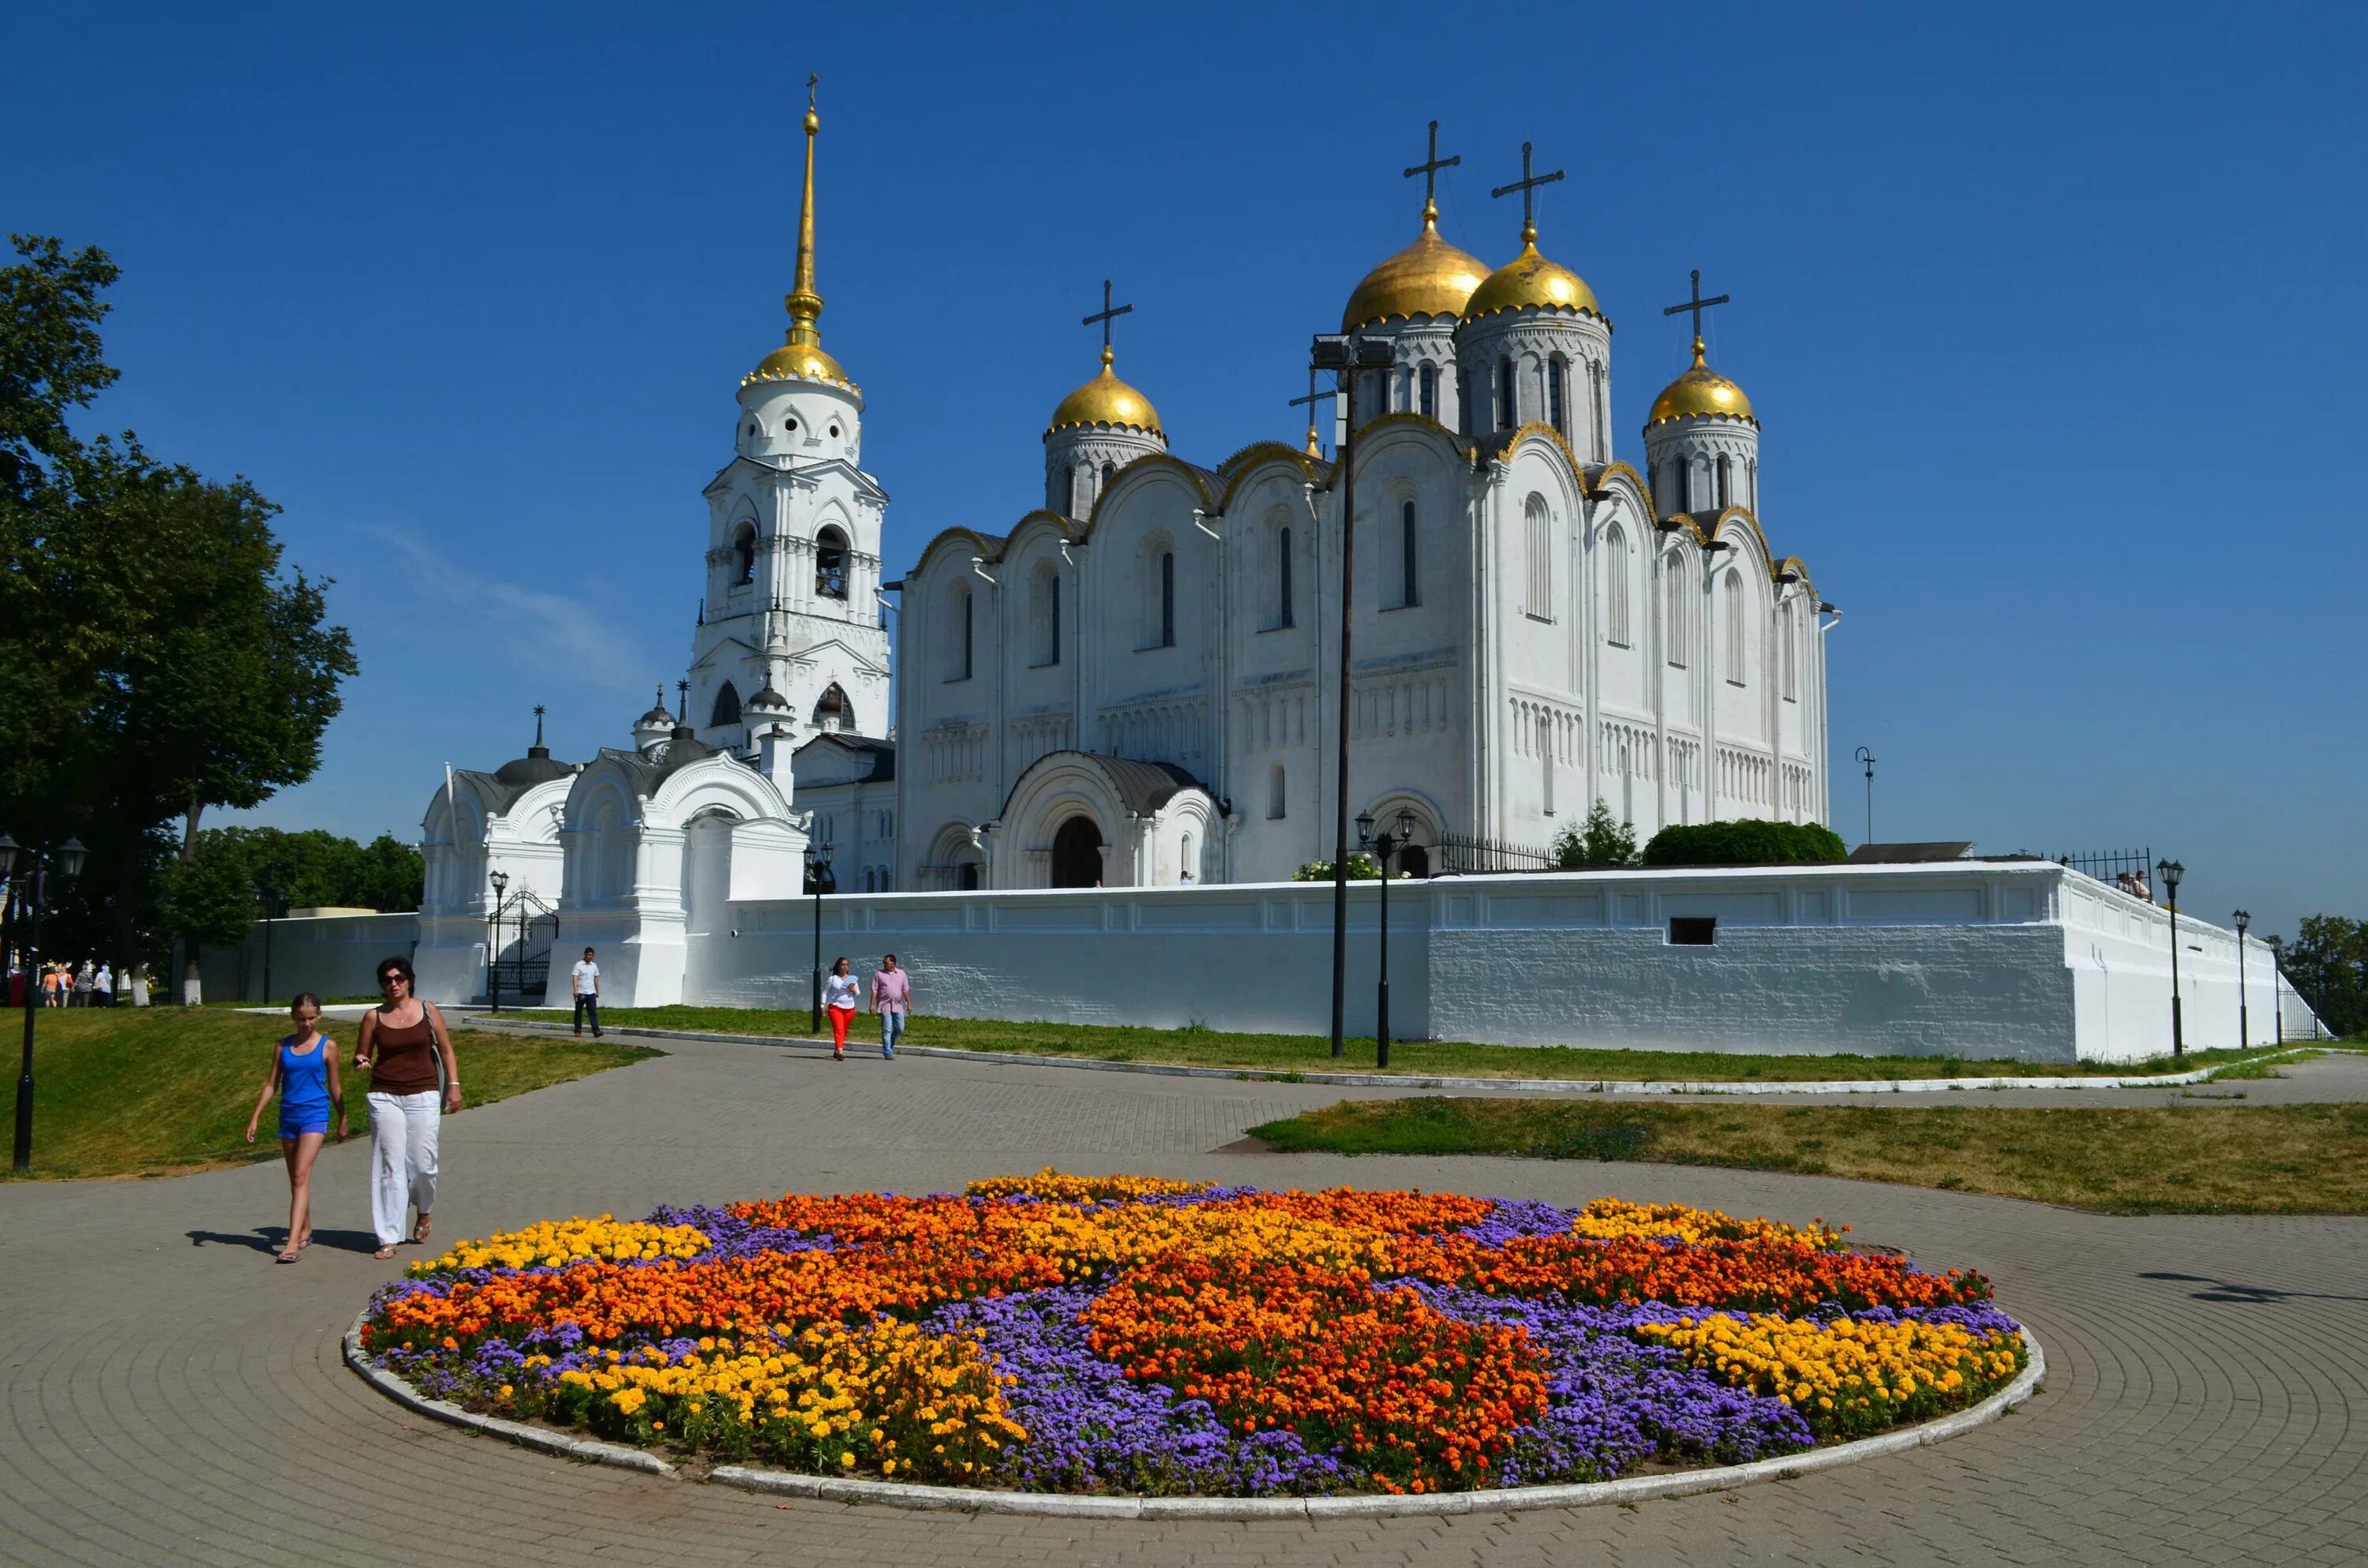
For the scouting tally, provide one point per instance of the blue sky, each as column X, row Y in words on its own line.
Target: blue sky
column 2033, row 304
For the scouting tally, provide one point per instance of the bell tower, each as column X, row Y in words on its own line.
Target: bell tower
column 790, row 630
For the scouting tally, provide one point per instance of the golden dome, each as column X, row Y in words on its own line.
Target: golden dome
column 1531, row 280
column 800, row 357
column 1701, row 390
column 1106, row 399
column 800, row 362
column 1430, row 277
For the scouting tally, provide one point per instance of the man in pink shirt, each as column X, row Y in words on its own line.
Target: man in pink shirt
column 892, row 998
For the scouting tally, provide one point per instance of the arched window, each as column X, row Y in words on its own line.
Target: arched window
column 1537, row 559
column 1110, row 472
column 1282, row 595
column 1788, row 629
column 1735, row 636
column 1680, row 630
column 830, row 564
column 727, row 705
column 1546, row 759
column 744, row 555
column 832, row 710
column 1726, row 481
column 1080, row 503
column 1615, row 587
column 1429, row 383
column 1044, row 616
column 1167, row 598
column 1505, row 394
column 1276, row 799
column 1555, row 395
column 1410, row 584
column 1184, row 865
column 1602, row 420
column 960, row 621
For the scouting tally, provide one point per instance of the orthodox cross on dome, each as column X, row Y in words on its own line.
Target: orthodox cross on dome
column 682, row 701
column 538, row 723
column 1526, row 185
column 1429, row 169
column 1314, row 446
column 1106, row 314
column 1698, row 305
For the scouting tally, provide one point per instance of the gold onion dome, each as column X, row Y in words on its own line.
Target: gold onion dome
column 800, row 358
column 1430, row 277
column 1701, row 390
column 1531, row 280
column 1106, row 399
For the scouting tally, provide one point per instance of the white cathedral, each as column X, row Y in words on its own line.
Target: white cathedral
column 1135, row 683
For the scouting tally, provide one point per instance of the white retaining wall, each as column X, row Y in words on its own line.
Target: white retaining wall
column 332, row 955
column 2013, row 960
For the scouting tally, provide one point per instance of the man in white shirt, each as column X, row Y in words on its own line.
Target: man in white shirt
column 103, row 987
column 587, row 979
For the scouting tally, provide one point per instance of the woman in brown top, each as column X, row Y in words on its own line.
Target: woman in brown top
column 402, row 1043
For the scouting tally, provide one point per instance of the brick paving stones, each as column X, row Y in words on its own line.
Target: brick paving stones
column 173, row 1397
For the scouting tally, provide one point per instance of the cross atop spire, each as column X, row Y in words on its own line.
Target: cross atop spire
column 805, row 303
column 538, row 723
column 1698, row 305
column 682, row 702
column 1526, row 185
column 1429, row 169
column 1107, row 313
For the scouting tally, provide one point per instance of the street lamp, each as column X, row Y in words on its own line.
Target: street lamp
column 1346, row 353
column 1383, row 847
column 1867, row 757
column 33, row 892
column 270, row 895
column 2170, row 871
column 501, row 880
column 818, row 881
column 2278, row 982
column 2244, row 1024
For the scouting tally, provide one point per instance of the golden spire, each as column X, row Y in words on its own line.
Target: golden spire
column 806, row 305
column 800, row 357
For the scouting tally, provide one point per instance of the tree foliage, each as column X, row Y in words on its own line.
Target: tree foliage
column 156, row 657
column 2328, row 964
column 313, row 867
column 1748, row 841
column 1601, row 841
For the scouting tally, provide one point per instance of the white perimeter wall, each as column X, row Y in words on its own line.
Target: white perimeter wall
column 2018, row 959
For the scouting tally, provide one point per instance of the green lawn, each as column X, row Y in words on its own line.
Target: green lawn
column 158, row 1091
column 1421, row 1059
column 2306, row 1159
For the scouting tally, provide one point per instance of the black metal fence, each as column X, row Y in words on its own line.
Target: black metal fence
column 1461, row 854
column 2121, row 868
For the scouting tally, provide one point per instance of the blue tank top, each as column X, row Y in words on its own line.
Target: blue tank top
column 304, row 1080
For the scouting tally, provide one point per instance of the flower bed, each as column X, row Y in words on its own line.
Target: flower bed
column 1057, row 1333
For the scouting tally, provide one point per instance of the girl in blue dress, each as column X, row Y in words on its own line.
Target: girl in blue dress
column 304, row 1074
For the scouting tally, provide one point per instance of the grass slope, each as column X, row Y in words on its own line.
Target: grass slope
column 158, row 1091
column 2306, row 1159
column 1419, row 1058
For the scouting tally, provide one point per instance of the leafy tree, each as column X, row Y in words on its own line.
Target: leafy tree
column 2328, row 964
column 210, row 897
column 155, row 657
column 1600, row 841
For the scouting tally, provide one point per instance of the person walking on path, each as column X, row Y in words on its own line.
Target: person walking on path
column 403, row 1041
column 586, row 979
column 82, row 983
column 102, row 991
column 839, row 995
column 892, row 998
column 304, row 1073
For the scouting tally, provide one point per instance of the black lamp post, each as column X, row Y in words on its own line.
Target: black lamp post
column 501, row 880
column 818, row 881
column 270, row 895
column 2278, row 982
column 2244, row 1020
column 1346, row 355
column 1382, row 848
column 2170, row 871
column 33, row 892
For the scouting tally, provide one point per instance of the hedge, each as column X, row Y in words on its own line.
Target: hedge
column 1750, row 842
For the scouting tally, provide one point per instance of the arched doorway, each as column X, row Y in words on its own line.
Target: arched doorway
column 1078, row 854
column 1415, row 861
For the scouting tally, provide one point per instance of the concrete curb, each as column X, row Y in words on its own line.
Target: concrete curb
column 1058, row 1505
column 1400, row 1081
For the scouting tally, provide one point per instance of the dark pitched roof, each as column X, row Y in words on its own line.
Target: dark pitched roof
column 883, row 752
column 1143, row 787
column 537, row 767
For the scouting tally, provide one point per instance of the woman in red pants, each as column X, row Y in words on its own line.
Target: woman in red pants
column 838, row 992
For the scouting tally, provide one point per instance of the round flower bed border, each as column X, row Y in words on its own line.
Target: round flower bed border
column 978, row 1500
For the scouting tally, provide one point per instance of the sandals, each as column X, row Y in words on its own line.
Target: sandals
column 385, row 1255
column 419, row 1231
column 292, row 1256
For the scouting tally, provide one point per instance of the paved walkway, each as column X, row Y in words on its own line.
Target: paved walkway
column 172, row 1397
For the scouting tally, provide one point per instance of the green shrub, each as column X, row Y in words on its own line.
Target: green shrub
column 1603, row 840
column 1362, row 868
column 1746, row 843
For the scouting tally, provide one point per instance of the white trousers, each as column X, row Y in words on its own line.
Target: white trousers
column 402, row 1159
